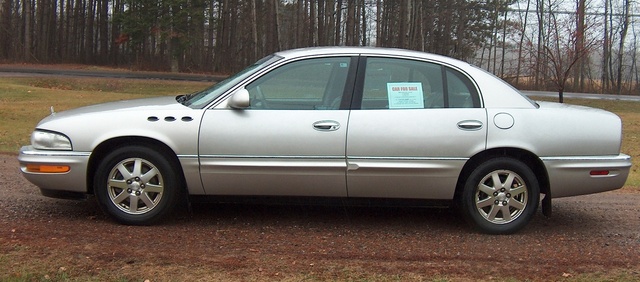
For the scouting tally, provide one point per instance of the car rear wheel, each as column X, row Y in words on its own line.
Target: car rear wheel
column 136, row 185
column 500, row 196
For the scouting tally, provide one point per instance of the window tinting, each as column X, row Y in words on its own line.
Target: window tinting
column 313, row 84
column 407, row 84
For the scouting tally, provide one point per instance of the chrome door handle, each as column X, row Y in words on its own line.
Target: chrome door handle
column 326, row 125
column 470, row 125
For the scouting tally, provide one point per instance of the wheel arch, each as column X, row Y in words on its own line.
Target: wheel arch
column 104, row 148
column 528, row 158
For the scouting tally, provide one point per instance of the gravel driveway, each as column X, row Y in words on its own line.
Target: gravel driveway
column 587, row 235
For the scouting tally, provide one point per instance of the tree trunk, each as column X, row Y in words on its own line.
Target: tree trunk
column 539, row 56
column 605, row 50
column 578, row 72
column 623, row 36
column 89, row 43
column 338, row 38
column 27, row 30
column 521, row 42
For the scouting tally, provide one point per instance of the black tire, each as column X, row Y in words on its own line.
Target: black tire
column 136, row 185
column 493, row 208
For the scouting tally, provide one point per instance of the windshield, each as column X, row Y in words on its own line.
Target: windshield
column 204, row 97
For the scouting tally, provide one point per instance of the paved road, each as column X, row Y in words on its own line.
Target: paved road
column 16, row 70
column 583, row 95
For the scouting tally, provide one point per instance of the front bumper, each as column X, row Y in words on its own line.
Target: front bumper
column 74, row 180
column 573, row 176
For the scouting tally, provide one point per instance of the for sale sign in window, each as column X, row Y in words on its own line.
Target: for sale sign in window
column 405, row 95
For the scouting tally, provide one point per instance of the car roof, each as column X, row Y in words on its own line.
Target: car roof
column 353, row 51
column 494, row 91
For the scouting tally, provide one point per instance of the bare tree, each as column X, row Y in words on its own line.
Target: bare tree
column 606, row 48
column 564, row 51
column 578, row 74
column 623, row 36
column 523, row 30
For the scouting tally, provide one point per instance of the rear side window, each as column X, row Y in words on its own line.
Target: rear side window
column 407, row 84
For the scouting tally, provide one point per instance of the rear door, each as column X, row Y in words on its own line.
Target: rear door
column 417, row 124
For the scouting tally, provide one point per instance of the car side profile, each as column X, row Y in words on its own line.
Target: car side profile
column 334, row 122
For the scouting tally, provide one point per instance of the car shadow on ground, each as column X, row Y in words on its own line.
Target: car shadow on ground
column 568, row 216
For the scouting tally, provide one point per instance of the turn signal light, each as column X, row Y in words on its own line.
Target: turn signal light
column 48, row 168
column 599, row 172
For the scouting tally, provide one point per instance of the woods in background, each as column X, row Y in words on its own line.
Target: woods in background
column 520, row 44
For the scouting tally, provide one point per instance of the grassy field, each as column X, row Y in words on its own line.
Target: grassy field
column 24, row 101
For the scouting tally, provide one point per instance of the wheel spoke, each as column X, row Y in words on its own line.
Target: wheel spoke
column 149, row 175
column 519, row 190
column 486, row 189
column 492, row 214
column 509, row 181
column 506, row 214
column 497, row 184
column 115, row 183
column 133, row 203
column 152, row 188
column 147, row 201
column 137, row 168
column 516, row 204
column 484, row 203
column 121, row 197
column 124, row 171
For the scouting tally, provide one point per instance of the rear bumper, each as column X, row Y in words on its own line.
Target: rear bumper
column 572, row 176
column 73, row 180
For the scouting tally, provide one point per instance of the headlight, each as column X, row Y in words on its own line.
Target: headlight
column 47, row 140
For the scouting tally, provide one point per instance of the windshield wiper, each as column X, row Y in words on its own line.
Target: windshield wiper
column 183, row 98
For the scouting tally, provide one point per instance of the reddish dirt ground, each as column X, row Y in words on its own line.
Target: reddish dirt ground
column 588, row 235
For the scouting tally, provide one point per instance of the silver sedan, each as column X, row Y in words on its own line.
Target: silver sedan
column 334, row 123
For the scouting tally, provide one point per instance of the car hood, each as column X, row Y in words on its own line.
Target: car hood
column 162, row 119
column 148, row 105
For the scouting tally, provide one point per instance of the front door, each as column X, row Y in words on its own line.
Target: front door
column 291, row 141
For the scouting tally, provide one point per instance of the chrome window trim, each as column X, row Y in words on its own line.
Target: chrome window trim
column 259, row 73
column 433, row 61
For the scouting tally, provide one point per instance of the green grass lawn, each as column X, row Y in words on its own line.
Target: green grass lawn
column 24, row 101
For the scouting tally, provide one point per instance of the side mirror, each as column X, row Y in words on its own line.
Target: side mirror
column 239, row 100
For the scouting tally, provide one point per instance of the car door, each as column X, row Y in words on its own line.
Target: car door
column 290, row 141
column 417, row 124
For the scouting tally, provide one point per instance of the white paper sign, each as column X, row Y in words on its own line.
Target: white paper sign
column 405, row 95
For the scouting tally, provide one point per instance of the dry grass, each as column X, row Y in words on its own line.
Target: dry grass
column 590, row 86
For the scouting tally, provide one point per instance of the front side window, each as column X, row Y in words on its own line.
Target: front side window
column 311, row 84
column 204, row 97
column 407, row 84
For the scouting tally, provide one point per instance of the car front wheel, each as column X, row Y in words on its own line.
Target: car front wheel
column 500, row 196
column 136, row 185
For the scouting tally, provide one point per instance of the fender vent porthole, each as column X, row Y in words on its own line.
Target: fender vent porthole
column 187, row 119
column 169, row 119
column 152, row 118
